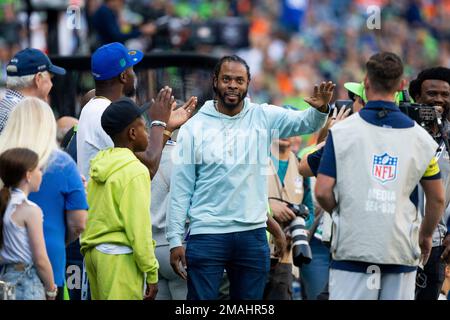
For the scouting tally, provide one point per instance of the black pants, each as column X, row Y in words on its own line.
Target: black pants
column 279, row 284
column 429, row 286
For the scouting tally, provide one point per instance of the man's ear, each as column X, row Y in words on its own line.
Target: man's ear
column 132, row 134
column 123, row 77
column 28, row 176
column 366, row 85
column 38, row 79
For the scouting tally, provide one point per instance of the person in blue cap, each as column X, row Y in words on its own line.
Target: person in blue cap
column 29, row 74
column 112, row 69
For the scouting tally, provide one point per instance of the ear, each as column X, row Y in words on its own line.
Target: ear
column 132, row 134
column 366, row 82
column 123, row 77
column 215, row 82
column 38, row 79
column 28, row 176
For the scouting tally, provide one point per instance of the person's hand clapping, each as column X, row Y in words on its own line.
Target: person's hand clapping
column 162, row 105
column 181, row 115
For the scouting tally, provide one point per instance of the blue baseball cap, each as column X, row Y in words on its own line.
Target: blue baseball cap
column 31, row 61
column 110, row 60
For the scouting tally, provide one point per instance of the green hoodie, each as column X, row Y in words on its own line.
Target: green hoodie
column 119, row 207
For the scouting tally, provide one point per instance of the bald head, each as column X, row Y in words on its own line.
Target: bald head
column 64, row 124
column 88, row 96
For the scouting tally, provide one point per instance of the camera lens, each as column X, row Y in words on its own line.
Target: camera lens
column 301, row 251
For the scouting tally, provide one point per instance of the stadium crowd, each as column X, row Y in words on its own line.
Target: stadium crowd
column 235, row 198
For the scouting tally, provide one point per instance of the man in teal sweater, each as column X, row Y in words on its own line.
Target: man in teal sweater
column 219, row 182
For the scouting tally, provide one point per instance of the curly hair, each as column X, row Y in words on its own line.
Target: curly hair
column 436, row 73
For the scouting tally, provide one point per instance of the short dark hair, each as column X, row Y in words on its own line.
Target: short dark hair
column 384, row 71
column 105, row 84
column 233, row 58
column 436, row 73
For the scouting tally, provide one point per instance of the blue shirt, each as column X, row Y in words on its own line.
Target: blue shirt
column 61, row 190
column 394, row 118
column 313, row 160
column 292, row 14
column 282, row 169
column 106, row 24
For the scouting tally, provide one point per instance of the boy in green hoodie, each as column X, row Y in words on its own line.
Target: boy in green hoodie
column 117, row 243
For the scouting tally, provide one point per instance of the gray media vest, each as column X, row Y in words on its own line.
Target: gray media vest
column 377, row 169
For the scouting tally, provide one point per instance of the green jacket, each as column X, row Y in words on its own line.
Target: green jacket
column 119, row 207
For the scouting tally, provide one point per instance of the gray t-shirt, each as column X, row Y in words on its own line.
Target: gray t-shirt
column 160, row 194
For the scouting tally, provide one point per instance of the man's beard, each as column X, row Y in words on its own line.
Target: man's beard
column 231, row 106
column 130, row 92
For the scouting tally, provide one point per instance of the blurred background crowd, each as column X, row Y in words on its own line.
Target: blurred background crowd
column 289, row 44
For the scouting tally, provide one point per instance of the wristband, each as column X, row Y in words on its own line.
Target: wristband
column 158, row 124
column 52, row 294
column 167, row 133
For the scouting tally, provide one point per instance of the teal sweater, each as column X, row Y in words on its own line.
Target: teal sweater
column 219, row 177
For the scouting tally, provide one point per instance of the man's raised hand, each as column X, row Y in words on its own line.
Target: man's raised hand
column 321, row 96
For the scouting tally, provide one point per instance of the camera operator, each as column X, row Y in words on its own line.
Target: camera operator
column 432, row 87
column 371, row 164
column 286, row 186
